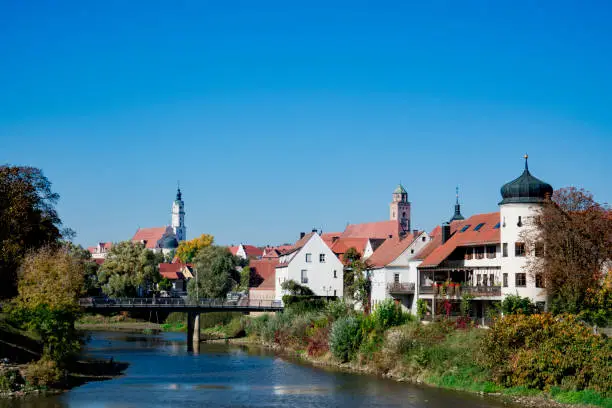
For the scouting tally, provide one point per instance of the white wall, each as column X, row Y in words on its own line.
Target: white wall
column 320, row 274
column 511, row 233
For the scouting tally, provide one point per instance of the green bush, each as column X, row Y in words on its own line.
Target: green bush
column 542, row 351
column 388, row 314
column 345, row 338
column 213, row 319
column 513, row 304
column 338, row 308
column 177, row 317
column 11, row 380
column 303, row 303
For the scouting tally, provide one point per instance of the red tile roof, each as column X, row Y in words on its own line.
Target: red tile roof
column 104, row 245
column 343, row 244
column 172, row 275
column 150, row 235
column 171, row 267
column 265, row 269
column 233, row 250
column 487, row 234
column 381, row 229
column 389, row 250
column 330, row 237
column 252, row 250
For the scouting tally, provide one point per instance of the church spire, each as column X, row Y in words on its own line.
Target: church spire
column 179, row 195
column 457, row 216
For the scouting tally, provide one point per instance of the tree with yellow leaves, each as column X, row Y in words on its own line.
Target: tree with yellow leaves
column 187, row 250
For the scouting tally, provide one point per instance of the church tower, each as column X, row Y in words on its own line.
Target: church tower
column 178, row 217
column 400, row 208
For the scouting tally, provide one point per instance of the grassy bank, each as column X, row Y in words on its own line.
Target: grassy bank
column 440, row 354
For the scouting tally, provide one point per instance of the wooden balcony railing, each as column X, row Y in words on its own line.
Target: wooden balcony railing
column 482, row 290
column 400, row 287
column 458, row 290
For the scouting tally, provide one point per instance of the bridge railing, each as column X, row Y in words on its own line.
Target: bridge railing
column 115, row 303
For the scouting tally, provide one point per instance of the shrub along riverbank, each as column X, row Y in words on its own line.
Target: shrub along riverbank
column 536, row 355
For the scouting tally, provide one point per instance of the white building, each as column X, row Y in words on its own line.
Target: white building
column 393, row 271
column 485, row 255
column 178, row 217
column 99, row 251
column 310, row 263
column 246, row 251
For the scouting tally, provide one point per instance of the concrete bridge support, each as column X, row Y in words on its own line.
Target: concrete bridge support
column 193, row 331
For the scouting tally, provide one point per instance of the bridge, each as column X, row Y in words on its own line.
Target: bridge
column 193, row 308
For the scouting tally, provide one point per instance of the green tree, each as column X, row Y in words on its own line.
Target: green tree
column 245, row 278
column 216, row 273
column 515, row 304
column 128, row 266
column 164, row 284
column 357, row 284
column 28, row 220
column 90, row 268
column 187, row 250
column 296, row 289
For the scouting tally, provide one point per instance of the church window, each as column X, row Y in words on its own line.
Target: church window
column 308, row 257
column 519, row 249
column 521, row 280
column 322, row 258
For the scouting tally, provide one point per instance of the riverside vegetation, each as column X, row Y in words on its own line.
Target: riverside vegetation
column 541, row 355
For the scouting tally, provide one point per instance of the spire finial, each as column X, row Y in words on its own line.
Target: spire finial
column 178, row 190
column 457, row 194
column 526, row 157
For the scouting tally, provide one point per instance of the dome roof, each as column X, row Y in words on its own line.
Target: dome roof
column 399, row 190
column 169, row 242
column 526, row 189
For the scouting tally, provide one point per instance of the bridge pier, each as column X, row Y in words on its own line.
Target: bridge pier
column 193, row 331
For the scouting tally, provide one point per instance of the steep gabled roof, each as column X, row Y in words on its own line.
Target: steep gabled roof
column 330, row 237
column 343, row 244
column 463, row 233
column 381, row 229
column 389, row 250
column 150, row 235
column 266, row 269
column 233, row 249
column 252, row 250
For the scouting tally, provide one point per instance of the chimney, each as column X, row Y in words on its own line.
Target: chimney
column 302, row 235
column 446, row 231
column 415, row 232
column 314, row 230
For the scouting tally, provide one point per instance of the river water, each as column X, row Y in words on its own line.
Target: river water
column 162, row 373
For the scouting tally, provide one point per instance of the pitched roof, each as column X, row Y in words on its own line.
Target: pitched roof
column 170, row 267
column 150, row 235
column 463, row 233
column 233, row 250
column 389, row 250
column 102, row 245
column 381, row 229
column 172, row 275
column 343, row 244
column 265, row 269
column 330, row 237
column 252, row 250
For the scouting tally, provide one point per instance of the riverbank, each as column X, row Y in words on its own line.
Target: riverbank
column 446, row 356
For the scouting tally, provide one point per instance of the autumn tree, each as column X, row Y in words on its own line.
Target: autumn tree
column 216, row 272
column 187, row 250
column 129, row 266
column 50, row 284
column 571, row 238
column 28, row 220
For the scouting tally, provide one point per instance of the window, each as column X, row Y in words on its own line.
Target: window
column 505, row 277
column 468, row 253
column 308, row 257
column 479, row 226
column 322, row 258
column 335, row 293
column 491, row 279
column 505, row 249
column 538, row 249
column 496, row 226
column 396, row 278
column 485, row 280
column 491, row 253
column 539, row 281
column 478, row 279
column 520, row 222
column 304, row 276
column 479, row 252
column 466, row 228
column 519, row 249
column 423, row 239
column 412, row 251
column 520, row 280
column 335, row 273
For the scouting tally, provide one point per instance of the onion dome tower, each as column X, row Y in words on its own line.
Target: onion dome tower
column 526, row 189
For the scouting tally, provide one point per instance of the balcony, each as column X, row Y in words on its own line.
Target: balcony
column 427, row 290
column 482, row 290
column 401, row 287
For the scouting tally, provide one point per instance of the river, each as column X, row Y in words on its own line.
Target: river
column 163, row 374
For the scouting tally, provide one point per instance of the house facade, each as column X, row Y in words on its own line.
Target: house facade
column 313, row 264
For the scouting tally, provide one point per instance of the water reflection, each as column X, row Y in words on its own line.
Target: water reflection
column 163, row 374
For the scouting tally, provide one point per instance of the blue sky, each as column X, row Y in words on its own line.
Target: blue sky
column 277, row 117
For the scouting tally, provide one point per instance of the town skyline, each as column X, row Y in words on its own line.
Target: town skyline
column 282, row 117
